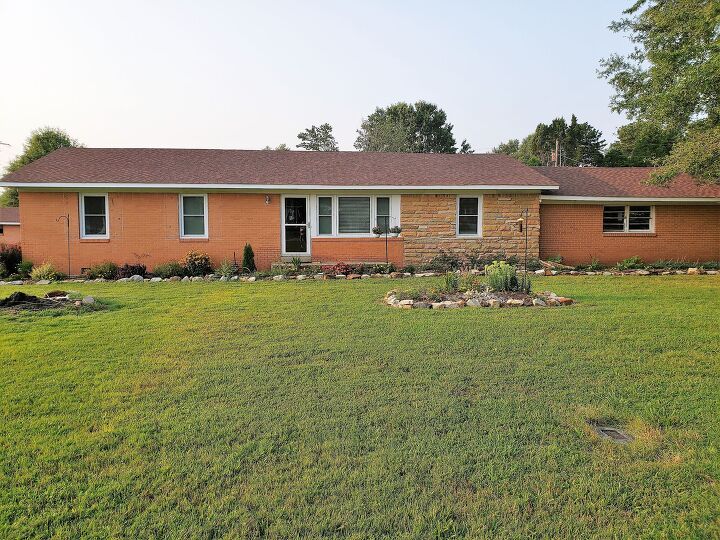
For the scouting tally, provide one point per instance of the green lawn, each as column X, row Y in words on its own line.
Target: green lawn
column 309, row 409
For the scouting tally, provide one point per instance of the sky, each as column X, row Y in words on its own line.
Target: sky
column 234, row 74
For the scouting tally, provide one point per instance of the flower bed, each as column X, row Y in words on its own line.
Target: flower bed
column 473, row 298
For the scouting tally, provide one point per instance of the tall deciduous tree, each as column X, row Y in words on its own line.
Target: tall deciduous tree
column 319, row 139
column 40, row 143
column 404, row 127
column 672, row 78
column 640, row 144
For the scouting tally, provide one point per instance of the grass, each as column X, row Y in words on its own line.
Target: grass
column 309, row 409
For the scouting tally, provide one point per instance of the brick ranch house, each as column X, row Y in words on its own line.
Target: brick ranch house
column 154, row 205
column 9, row 225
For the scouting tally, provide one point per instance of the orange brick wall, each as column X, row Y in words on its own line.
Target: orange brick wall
column 682, row 232
column 357, row 250
column 10, row 235
column 144, row 228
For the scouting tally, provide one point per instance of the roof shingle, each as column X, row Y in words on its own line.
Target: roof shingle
column 263, row 167
column 622, row 182
column 9, row 215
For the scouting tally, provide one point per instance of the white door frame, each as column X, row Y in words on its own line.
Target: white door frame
column 308, row 234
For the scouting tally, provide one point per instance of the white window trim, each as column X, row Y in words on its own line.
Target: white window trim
column 315, row 206
column 105, row 236
column 626, row 220
column 181, row 215
column 480, row 216
column 315, row 216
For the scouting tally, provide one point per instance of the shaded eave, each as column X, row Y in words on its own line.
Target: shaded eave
column 578, row 199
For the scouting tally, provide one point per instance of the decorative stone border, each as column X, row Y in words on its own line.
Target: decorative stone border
column 485, row 299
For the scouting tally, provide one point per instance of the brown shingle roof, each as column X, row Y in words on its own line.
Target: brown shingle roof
column 622, row 182
column 262, row 167
column 9, row 215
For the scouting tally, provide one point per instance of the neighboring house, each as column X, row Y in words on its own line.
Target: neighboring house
column 9, row 225
column 155, row 205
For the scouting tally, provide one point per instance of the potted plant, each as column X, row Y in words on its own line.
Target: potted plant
column 377, row 231
column 395, row 231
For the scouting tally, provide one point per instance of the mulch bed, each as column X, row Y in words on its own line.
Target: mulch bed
column 21, row 301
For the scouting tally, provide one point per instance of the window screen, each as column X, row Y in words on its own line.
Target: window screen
column 354, row 214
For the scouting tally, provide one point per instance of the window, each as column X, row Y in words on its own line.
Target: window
column 382, row 213
column 2, row 231
column 325, row 215
column 627, row 219
column 468, row 219
column 193, row 216
column 353, row 214
column 94, row 216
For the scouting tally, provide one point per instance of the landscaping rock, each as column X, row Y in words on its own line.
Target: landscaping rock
column 88, row 300
column 78, row 303
column 437, row 305
column 234, row 278
column 607, row 274
column 196, row 278
column 407, row 274
column 185, row 279
column 539, row 302
column 514, row 302
column 353, row 276
column 136, row 278
column 711, row 272
column 222, row 278
column 365, row 276
column 43, row 282
column 301, row 277
column 422, row 305
column 174, row 278
column 425, row 274
column 156, row 280
column 397, row 275
column 453, row 305
column 494, row 303
column 279, row 277
column 406, row 304
column 252, row 279
column 475, row 302
column 563, row 301
column 642, row 273
column 540, row 272
column 340, row 276
column 680, row 272
column 319, row 276
column 694, row 271
column 123, row 280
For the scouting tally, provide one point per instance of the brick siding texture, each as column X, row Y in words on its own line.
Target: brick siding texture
column 682, row 232
column 332, row 250
column 10, row 234
column 429, row 226
column 144, row 228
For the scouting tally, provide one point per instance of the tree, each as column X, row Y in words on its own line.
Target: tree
column 319, row 139
column 404, row 127
column 671, row 79
column 509, row 148
column 281, row 146
column 40, row 143
column 640, row 144
column 248, row 260
column 465, row 148
column 580, row 144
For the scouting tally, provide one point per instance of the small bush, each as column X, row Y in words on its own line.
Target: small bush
column 444, row 262
column 451, row 283
column 169, row 269
column 503, row 277
column 10, row 257
column 129, row 270
column 556, row 259
column 296, row 263
column 382, row 268
column 409, row 269
column 226, row 269
column 248, row 262
column 711, row 265
column 105, row 270
column 197, row 263
column 470, row 282
column 339, row 268
column 46, row 271
column 3, row 270
column 24, row 269
column 312, row 269
column 631, row 263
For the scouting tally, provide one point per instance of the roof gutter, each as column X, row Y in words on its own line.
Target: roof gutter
column 269, row 187
column 590, row 200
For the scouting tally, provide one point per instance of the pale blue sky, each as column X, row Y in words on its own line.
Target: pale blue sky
column 222, row 74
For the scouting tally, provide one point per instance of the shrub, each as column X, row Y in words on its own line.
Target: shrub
column 711, row 265
column 226, row 269
column 340, row 268
column 312, row 269
column 25, row 268
column 169, row 269
column 409, row 269
column 431, row 294
column 3, row 270
column 556, row 259
column 631, row 263
column 470, row 282
column 502, row 276
column 105, row 270
column 129, row 270
column 46, row 271
column 296, row 263
column 444, row 262
column 248, row 262
column 197, row 263
column 10, row 257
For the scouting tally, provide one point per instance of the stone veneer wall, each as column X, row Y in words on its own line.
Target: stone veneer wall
column 428, row 226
